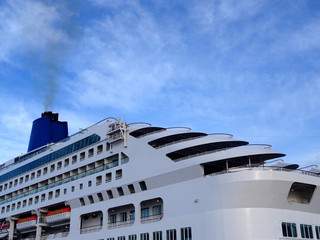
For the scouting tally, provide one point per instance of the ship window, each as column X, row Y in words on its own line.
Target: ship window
column 119, row 174
column 145, row 213
column 45, row 171
column 18, row 205
column 143, row 185
column 13, row 207
column 98, row 180
column 186, row 233
column 113, row 218
column 123, row 216
column 132, row 237
column 59, row 165
column 318, row 232
column 15, row 183
column 33, row 175
column 122, row 238
column 38, row 173
column 1, row 188
column 81, row 186
column 306, row 231
column 90, row 199
column 100, row 197
column 289, row 229
column 36, row 199
column 110, row 238
column 57, row 193
column 82, row 201
column 66, row 162
column 52, row 168
column 301, row 193
column 90, row 152
column 43, row 197
column 50, row 195
column 108, row 177
column 72, row 189
column 171, row 234
column 144, row 236
column 65, row 191
column 24, row 203
column 26, row 179
column 110, row 195
column 2, row 209
column 131, row 188
column 82, row 156
column 89, row 183
column 120, row 191
column 8, row 208
column 10, row 184
column 99, row 149
column 21, row 180
column 74, row 159
column 157, row 235
column 124, row 158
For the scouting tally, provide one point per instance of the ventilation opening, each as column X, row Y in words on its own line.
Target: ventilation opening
column 301, row 193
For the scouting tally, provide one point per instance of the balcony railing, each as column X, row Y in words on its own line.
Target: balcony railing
column 152, row 218
column 120, row 223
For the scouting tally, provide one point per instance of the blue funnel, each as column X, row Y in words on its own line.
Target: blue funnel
column 47, row 129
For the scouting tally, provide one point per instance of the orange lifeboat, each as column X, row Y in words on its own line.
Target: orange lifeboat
column 60, row 215
column 26, row 223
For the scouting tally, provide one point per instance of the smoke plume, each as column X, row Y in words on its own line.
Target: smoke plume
column 51, row 32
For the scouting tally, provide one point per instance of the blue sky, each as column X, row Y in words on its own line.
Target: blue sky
column 250, row 68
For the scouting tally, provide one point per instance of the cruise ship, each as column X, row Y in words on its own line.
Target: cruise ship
column 134, row 181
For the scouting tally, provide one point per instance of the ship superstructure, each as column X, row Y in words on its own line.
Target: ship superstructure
column 119, row 181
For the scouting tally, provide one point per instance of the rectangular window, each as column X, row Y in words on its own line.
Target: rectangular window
column 289, row 229
column 156, row 210
column 65, row 191
column 123, row 217
column 306, row 231
column 113, row 218
column 143, row 185
column 132, row 237
column 132, row 215
column 90, row 199
column 131, row 188
column 157, row 235
column 110, row 238
column 100, row 197
column 98, row 180
column 110, row 195
column 89, row 183
column 119, row 174
column 171, row 234
column 186, row 233
column 122, row 238
column 145, row 212
column 72, row 189
column 144, row 236
column 318, row 232
column 108, row 177
column 81, row 186
column 66, row 162
column 120, row 191
column 82, row 201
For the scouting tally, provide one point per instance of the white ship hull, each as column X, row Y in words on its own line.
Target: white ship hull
column 141, row 182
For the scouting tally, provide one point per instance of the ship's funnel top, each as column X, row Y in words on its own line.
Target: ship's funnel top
column 47, row 129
